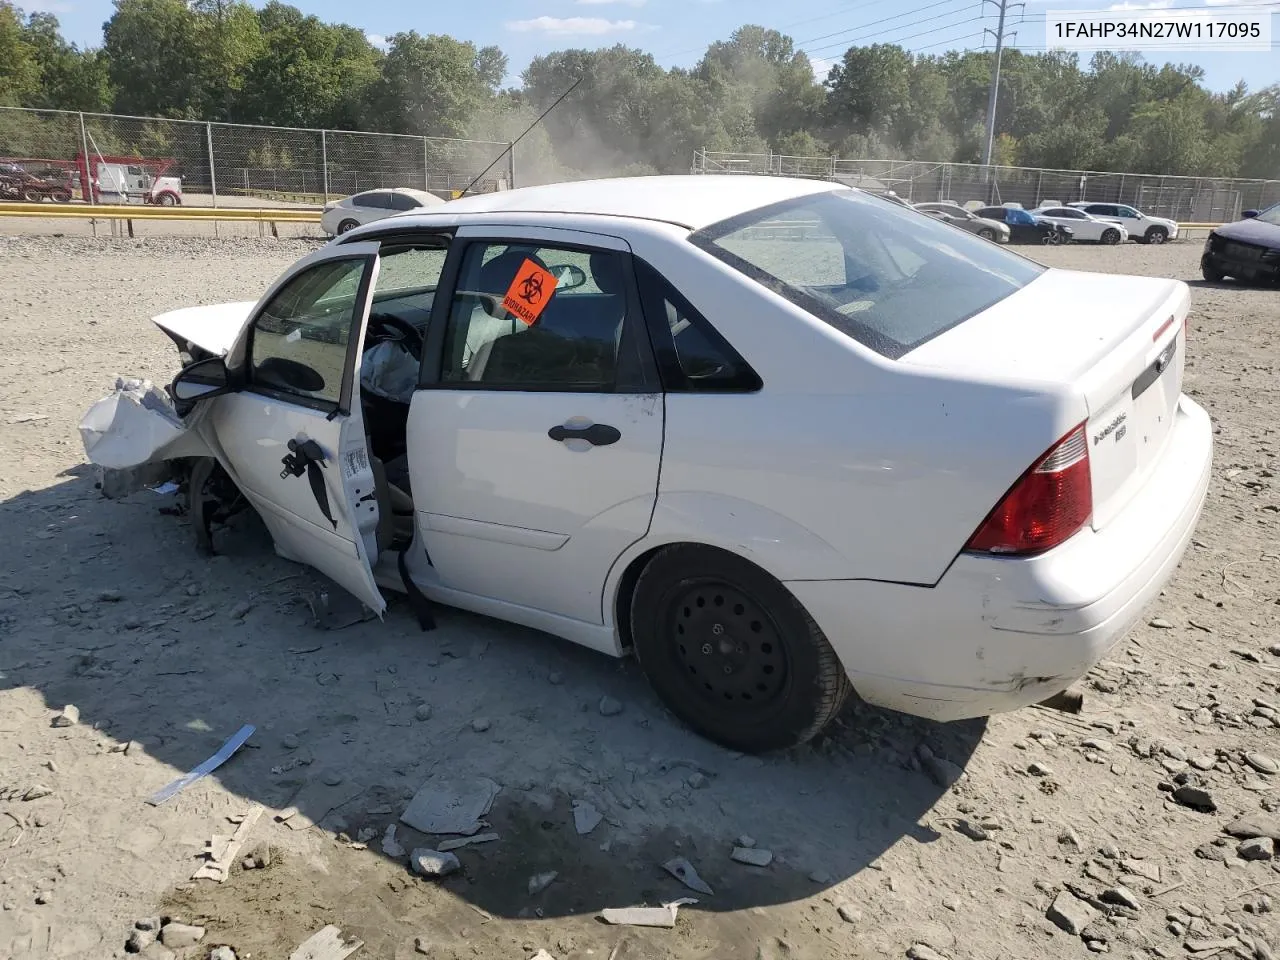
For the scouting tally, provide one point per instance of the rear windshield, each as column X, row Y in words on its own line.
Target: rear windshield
column 889, row 277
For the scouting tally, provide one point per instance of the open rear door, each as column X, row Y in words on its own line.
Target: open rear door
column 293, row 437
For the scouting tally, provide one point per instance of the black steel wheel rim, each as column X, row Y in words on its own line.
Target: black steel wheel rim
column 729, row 651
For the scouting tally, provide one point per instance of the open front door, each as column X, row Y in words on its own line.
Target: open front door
column 292, row 435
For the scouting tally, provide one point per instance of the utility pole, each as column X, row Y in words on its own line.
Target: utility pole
column 994, row 96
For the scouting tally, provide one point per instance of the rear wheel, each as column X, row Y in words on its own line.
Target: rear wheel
column 986, row 233
column 1111, row 237
column 32, row 195
column 732, row 652
column 347, row 225
column 61, row 195
column 1157, row 235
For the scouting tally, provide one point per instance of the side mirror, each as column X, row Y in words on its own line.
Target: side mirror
column 568, row 276
column 1250, row 214
column 204, row 378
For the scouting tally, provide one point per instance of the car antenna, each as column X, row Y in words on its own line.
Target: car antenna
column 527, row 131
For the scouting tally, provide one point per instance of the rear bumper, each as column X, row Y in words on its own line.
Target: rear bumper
column 995, row 634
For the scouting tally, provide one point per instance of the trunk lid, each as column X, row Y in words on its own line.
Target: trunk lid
column 1116, row 340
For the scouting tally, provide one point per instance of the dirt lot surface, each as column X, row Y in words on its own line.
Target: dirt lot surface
column 1058, row 821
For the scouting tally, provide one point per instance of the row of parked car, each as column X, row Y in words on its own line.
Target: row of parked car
column 1108, row 223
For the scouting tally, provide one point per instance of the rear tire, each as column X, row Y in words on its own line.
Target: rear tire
column 731, row 651
column 986, row 233
column 32, row 196
column 1111, row 237
column 346, row 226
column 61, row 195
column 1157, row 235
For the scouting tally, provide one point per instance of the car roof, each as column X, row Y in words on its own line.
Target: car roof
column 692, row 201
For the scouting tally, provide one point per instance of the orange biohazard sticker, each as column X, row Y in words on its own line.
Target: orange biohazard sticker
column 529, row 292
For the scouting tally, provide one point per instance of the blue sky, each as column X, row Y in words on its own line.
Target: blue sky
column 677, row 31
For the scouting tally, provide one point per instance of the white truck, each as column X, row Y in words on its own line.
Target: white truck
column 134, row 183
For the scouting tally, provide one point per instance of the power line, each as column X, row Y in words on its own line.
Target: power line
column 853, row 41
column 863, row 26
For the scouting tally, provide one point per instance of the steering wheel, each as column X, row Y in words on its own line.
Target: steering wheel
column 409, row 335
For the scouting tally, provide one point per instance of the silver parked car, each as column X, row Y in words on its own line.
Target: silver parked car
column 958, row 216
column 342, row 215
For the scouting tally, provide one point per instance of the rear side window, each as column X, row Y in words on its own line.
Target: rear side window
column 402, row 201
column 373, row 198
column 693, row 356
column 871, row 269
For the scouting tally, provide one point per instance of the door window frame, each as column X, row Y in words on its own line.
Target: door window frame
column 636, row 368
column 244, row 352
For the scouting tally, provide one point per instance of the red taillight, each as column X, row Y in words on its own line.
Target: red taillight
column 1050, row 502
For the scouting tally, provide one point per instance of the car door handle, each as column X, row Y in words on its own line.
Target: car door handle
column 598, row 434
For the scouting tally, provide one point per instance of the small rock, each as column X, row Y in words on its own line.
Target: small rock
column 848, row 912
column 1160, row 623
column 1104, row 686
column 290, row 742
column 366, row 834
column 1110, row 851
column 820, row 877
column 138, row 941
column 432, row 863
column 609, row 707
column 1174, row 750
column 1259, row 848
column 752, row 856
column 109, row 596
column 481, row 724
column 332, row 778
column 1197, row 798
column 151, row 924
column 940, row 770
column 971, row 830
column 69, row 716
column 222, row 953
column 540, row 881
column 1142, row 868
column 585, row 818
column 1102, row 746
column 1254, row 825
column 746, row 841
column 1122, row 896
column 390, row 846
column 423, row 712
column 1262, row 763
column 44, row 897
column 1070, row 914
column 696, row 780
column 1069, row 837
column 1209, row 851
column 1096, row 946
column 555, row 678
column 922, row 951
column 157, row 952
column 1203, row 763
column 1039, row 770
column 179, row 935
column 1202, row 716
column 421, row 945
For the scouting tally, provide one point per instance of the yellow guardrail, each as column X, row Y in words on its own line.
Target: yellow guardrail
column 102, row 211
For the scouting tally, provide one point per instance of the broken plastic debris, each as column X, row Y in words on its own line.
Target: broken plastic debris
column 683, row 870
column 326, row 944
column 451, row 806
column 213, row 763
column 663, row 916
column 165, row 489
column 130, row 426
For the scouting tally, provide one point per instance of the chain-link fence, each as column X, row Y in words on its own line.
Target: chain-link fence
column 1186, row 199
column 148, row 160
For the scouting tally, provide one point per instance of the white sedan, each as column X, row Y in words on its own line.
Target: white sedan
column 779, row 439
column 339, row 216
column 1084, row 225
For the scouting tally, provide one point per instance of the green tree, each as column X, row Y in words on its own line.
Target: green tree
column 19, row 63
column 431, row 86
column 154, row 58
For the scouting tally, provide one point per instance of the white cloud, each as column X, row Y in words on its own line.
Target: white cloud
column 571, row 26
column 378, row 40
column 601, row 3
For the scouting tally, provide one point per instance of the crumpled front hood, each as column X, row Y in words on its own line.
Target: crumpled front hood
column 213, row 328
column 1251, row 231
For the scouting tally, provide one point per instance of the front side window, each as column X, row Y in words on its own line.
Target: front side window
column 1270, row 215
column 298, row 345
column 887, row 279
column 532, row 317
column 1014, row 215
column 1128, row 212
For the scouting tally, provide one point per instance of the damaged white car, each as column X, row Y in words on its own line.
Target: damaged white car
column 778, row 438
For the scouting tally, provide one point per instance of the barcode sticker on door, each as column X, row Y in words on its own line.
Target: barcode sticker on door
column 354, row 463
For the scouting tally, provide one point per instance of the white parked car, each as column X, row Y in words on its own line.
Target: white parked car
column 1141, row 227
column 1084, row 225
column 778, row 438
column 342, row 215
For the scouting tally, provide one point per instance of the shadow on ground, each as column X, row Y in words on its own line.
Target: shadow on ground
column 106, row 605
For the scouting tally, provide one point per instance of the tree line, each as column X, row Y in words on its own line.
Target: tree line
column 224, row 60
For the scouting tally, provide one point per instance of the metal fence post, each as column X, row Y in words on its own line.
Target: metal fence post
column 213, row 177
column 426, row 165
column 511, row 165
column 324, row 164
column 86, row 173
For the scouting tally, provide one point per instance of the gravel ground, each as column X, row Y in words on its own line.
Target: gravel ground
column 1061, row 838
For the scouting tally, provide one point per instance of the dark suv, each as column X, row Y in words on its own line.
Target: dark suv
column 1248, row 249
